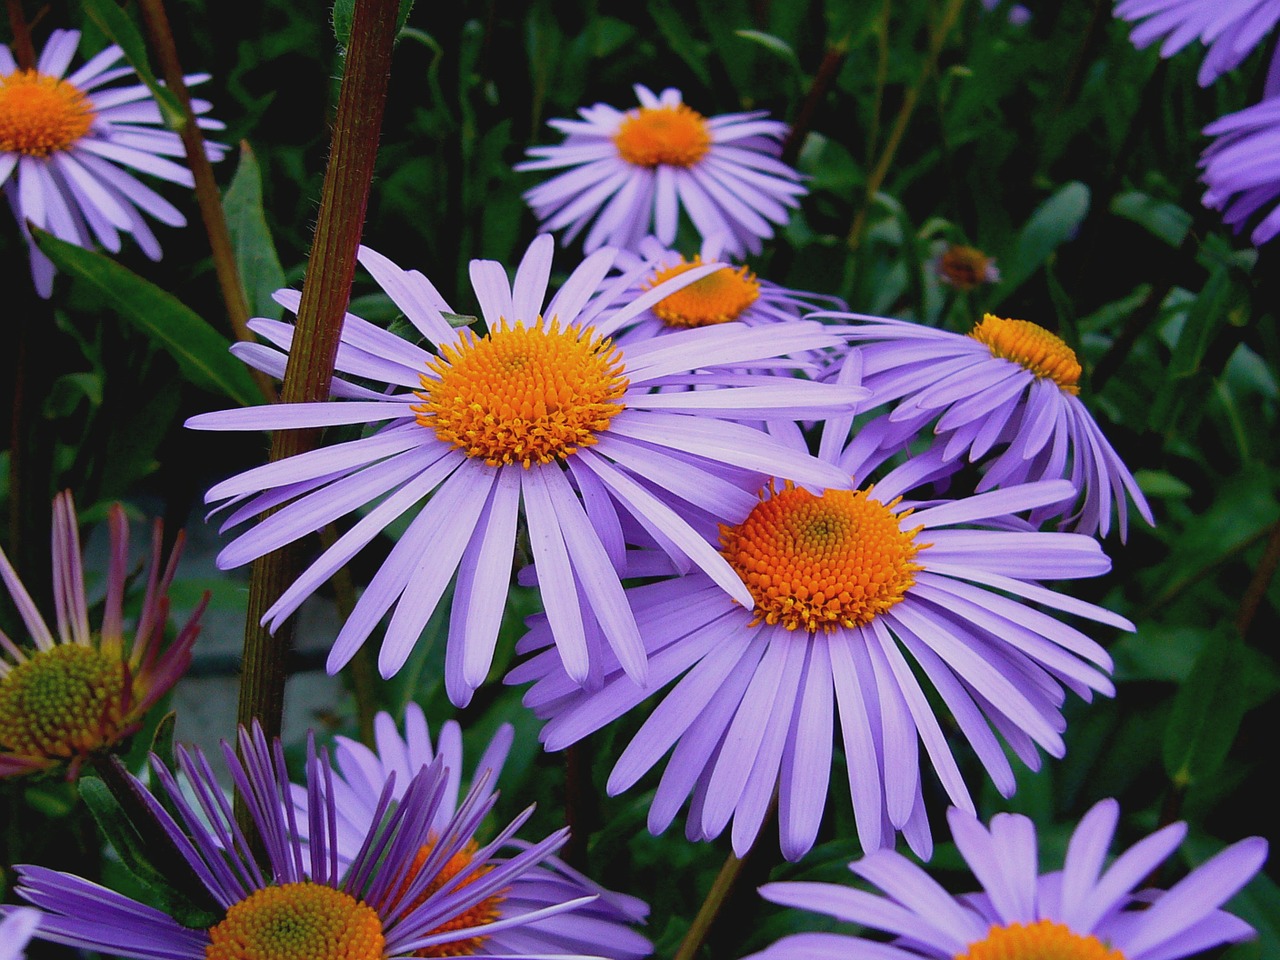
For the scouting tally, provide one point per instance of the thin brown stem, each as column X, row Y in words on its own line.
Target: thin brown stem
column 208, row 197
column 882, row 79
column 1256, row 592
column 708, row 913
column 826, row 75
column 24, row 51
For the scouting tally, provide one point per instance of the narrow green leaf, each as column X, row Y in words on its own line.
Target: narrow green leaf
column 1168, row 221
column 342, row 12
column 674, row 26
column 1051, row 225
column 260, row 272
column 775, row 45
column 202, row 354
column 119, row 29
column 1206, row 712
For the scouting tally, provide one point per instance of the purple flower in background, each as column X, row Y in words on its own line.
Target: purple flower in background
column 16, row 930
column 1080, row 912
column 1240, row 166
column 1018, row 14
column 633, row 172
column 68, row 144
column 1007, row 383
column 857, row 597
column 542, row 411
column 84, row 691
column 418, row 885
column 600, row 928
column 1229, row 28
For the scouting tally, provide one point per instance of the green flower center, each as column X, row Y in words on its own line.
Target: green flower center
column 62, row 702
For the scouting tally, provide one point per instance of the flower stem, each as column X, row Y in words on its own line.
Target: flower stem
column 721, row 887
column 24, row 50
column 207, row 195
column 325, row 294
column 826, row 74
column 937, row 39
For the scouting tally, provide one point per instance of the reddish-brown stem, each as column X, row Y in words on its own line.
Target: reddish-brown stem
column 826, row 75
column 24, row 51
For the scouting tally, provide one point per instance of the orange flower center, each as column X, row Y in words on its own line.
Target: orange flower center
column 717, row 298
column 67, row 701
column 1042, row 940
column 523, row 394
column 821, row 562
column 40, row 114
column 965, row 268
column 1043, row 353
column 676, row 136
column 486, row 911
column 297, row 921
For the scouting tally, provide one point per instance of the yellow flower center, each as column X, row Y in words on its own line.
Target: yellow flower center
column 40, row 114
column 67, row 701
column 297, row 921
column 676, row 136
column 486, row 911
column 965, row 268
column 717, row 298
column 523, row 394
column 1042, row 940
column 1043, row 353
column 821, row 562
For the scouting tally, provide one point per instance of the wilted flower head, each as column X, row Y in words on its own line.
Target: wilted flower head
column 84, row 691
column 633, row 172
column 1081, row 912
column 965, row 268
column 67, row 144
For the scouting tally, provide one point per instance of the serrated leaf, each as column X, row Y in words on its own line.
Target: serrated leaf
column 260, row 272
column 202, row 354
column 120, row 30
column 1053, row 223
column 1206, row 712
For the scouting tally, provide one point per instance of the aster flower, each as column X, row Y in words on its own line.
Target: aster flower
column 848, row 588
column 633, row 172
column 1230, row 28
column 1240, row 168
column 16, row 930
column 416, row 887
column 81, row 692
column 69, row 142
column 965, row 268
column 600, row 928
column 1006, row 383
column 1080, row 912
column 730, row 293
column 492, row 422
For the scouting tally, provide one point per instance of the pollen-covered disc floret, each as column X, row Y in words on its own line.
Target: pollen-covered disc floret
column 486, row 911
column 1043, row 353
column 40, row 114
column 523, row 394
column 821, row 562
column 1041, row 940
column 63, row 702
column 297, row 921
column 674, row 135
column 717, row 298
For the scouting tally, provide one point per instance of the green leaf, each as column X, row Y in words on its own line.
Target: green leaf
column 344, row 11
column 119, row 29
column 1050, row 226
column 1206, row 712
column 775, row 45
column 202, row 354
column 1168, row 221
column 674, row 26
column 260, row 272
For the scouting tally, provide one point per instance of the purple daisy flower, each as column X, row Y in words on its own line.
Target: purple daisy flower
column 1080, row 912
column 83, row 691
column 417, row 886
column 1240, row 168
column 848, row 587
column 1230, row 28
column 1007, row 383
column 600, row 928
column 491, row 423
column 15, row 932
column 67, row 144
column 633, row 172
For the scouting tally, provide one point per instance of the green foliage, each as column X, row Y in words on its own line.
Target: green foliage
column 256, row 259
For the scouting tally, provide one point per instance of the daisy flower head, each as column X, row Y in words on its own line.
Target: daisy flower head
column 1081, row 912
column 1230, row 29
column 1007, row 384
column 417, row 886
column 15, row 932
column 633, row 171
column 541, row 412
column 70, row 145
column 80, row 692
column 601, row 927
column 856, row 597
column 1239, row 168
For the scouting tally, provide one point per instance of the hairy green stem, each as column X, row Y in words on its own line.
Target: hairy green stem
column 208, row 197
